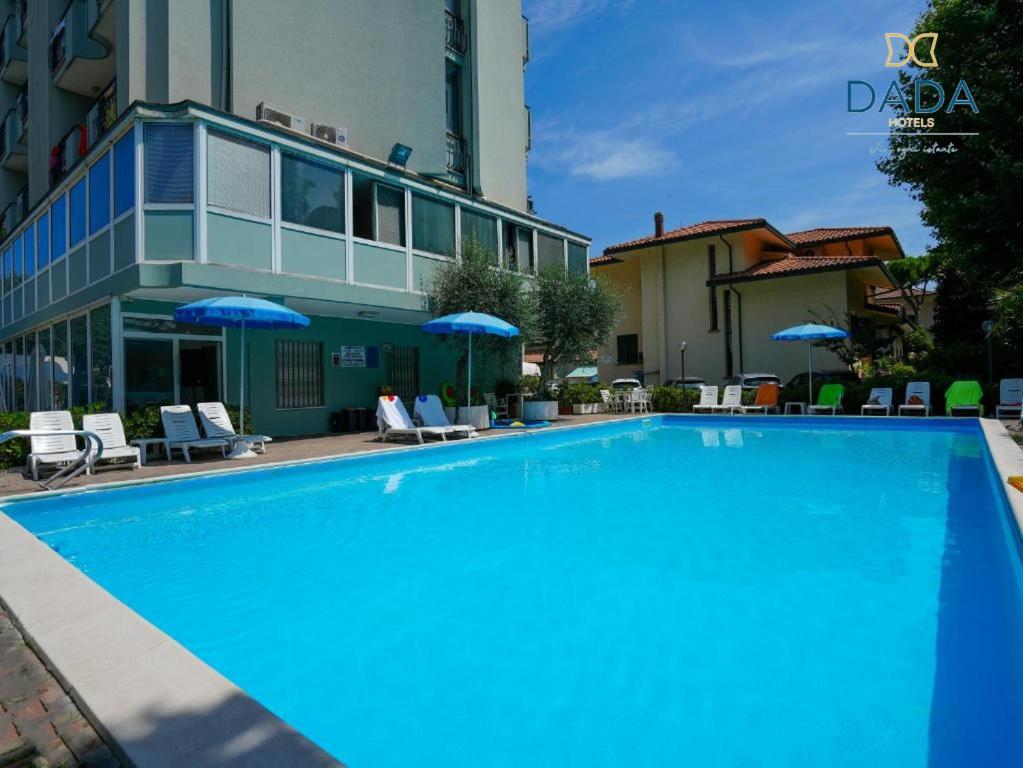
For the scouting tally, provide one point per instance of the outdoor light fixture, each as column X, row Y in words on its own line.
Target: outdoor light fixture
column 368, row 313
column 399, row 155
column 682, row 351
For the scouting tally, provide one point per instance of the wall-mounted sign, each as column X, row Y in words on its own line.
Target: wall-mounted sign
column 353, row 357
column 605, row 359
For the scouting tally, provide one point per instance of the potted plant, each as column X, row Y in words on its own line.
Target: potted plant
column 583, row 399
column 542, row 406
column 477, row 414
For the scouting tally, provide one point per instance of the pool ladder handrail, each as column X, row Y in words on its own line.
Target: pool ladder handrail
column 90, row 455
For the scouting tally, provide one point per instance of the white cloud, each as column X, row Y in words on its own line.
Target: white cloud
column 601, row 155
column 553, row 15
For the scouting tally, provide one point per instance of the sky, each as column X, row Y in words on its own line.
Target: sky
column 711, row 110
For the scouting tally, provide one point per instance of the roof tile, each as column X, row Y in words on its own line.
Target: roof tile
column 693, row 230
column 796, row 265
column 833, row 234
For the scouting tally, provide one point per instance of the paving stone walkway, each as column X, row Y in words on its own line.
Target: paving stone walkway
column 40, row 727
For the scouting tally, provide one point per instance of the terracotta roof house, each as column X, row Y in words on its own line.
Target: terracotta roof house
column 724, row 286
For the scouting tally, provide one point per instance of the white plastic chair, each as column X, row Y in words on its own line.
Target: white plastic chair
column 430, row 412
column 181, row 433
column 880, row 400
column 708, row 399
column 109, row 429
column 732, row 399
column 922, row 390
column 1010, row 399
column 52, row 449
column 216, row 423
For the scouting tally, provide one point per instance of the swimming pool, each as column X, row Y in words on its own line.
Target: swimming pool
column 719, row 591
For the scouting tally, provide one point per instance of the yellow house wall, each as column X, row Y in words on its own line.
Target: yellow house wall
column 625, row 278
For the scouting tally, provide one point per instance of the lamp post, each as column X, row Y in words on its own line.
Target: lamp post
column 682, row 352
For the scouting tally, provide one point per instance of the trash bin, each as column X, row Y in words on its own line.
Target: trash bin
column 337, row 422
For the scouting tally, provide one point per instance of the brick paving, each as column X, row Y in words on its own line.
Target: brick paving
column 40, row 727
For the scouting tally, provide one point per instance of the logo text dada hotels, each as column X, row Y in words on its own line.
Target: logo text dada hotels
column 928, row 96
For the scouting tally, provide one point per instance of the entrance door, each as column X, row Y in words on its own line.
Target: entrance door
column 149, row 373
column 200, row 368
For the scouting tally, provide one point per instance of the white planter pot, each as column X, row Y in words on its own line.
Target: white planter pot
column 477, row 415
column 540, row 410
column 582, row 409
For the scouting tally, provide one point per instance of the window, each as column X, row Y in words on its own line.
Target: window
column 99, row 328
column 433, row 226
column 31, row 373
column 576, row 258
column 8, row 270
column 712, row 296
column 124, row 174
column 453, row 98
column 45, row 352
column 30, row 251
column 238, row 174
column 43, row 236
column 58, row 229
column 169, row 163
column 524, row 249
column 378, row 211
column 99, row 194
column 20, row 372
column 481, row 227
column 77, row 197
column 149, row 380
column 79, row 367
column 312, row 194
column 628, row 349
column 552, row 251
column 299, row 374
column 19, row 263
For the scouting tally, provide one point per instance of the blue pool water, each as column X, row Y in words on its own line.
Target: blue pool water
column 713, row 592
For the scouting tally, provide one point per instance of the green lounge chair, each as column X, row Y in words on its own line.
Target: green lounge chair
column 829, row 399
column 964, row 397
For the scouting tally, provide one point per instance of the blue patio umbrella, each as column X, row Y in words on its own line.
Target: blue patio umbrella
column 470, row 323
column 810, row 332
column 240, row 312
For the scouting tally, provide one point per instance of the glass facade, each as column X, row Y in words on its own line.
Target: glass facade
column 99, row 194
column 433, row 226
column 78, row 213
column 124, row 174
column 79, row 367
column 101, row 358
column 170, row 173
column 312, row 194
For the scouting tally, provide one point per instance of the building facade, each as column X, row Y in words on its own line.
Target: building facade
column 724, row 287
column 157, row 153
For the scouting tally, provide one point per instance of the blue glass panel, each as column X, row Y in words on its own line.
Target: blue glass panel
column 77, row 196
column 30, row 250
column 58, row 228
column 19, row 261
column 8, row 269
column 99, row 194
column 169, row 153
column 124, row 174
column 43, row 233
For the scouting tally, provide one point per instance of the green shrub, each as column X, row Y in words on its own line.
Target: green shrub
column 529, row 384
column 674, row 400
column 579, row 394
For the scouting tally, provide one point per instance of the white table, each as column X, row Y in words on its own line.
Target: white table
column 143, row 445
column 799, row 408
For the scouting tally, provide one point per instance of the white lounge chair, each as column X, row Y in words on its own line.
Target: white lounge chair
column 393, row 421
column 708, row 399
column 1010, row 399
column 109, row 429
column 57, row 450
column 920, row 390
column 216, row 423
column 429, row 410
column 181, row 433
column 880, row 400
column 732, row 399
column 610, row 403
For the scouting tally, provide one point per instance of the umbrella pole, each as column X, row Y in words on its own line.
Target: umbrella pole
column 809, row 368
column 241, row 397
column 468, row 396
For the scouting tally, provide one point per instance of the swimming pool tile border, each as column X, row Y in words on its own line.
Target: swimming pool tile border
column 126, row 675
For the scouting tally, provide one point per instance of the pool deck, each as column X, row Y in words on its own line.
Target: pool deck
column 15, row 483
column 85, row 681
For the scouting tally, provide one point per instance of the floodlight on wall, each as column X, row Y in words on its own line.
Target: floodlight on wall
column 399, row 155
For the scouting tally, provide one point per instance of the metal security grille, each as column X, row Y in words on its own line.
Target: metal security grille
column 299, row 374
column 403, row 368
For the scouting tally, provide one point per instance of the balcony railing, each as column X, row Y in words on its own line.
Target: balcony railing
column 66, row 152
column 13, row 57
column 21, row 203
column 22, row 107
column 12, row 150
column 21, row 10
column 455, row 39
column 102, row 114
column 58, row 45
column 456, row 154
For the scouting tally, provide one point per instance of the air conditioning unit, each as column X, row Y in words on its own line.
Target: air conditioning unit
column 332, row 134
column 269, row 114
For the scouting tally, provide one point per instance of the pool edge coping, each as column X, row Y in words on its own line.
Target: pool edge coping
column 122, row 671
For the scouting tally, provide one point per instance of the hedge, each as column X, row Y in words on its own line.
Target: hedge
column 138, row 423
